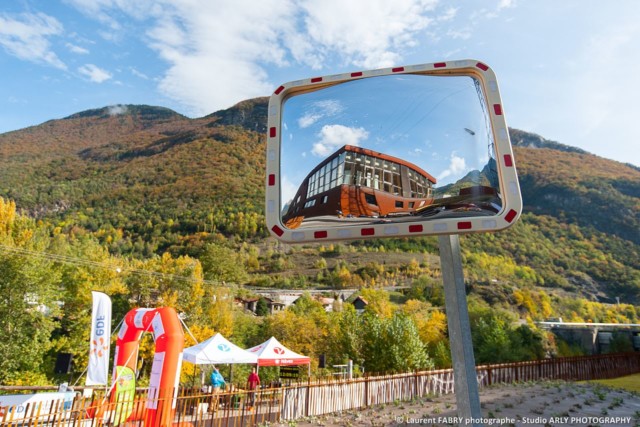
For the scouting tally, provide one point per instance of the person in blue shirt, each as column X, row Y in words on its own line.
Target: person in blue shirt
column 217, row 380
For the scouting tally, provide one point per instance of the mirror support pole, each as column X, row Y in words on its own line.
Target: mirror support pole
column 464, row 368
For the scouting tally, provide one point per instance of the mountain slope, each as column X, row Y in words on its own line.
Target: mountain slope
column 582, row 189
column 146, row 179
column 133, row 171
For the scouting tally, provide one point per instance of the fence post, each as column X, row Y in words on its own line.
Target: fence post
column 366, row 390
column 307, row 399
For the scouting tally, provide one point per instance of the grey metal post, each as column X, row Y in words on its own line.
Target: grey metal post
column 464, row 367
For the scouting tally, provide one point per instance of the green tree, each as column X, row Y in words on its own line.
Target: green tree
column 496, row 339
column 392, row 344
column 347, row 341
column 223, row 264
column 262, row 307
column 28, row 293
column 427, row 288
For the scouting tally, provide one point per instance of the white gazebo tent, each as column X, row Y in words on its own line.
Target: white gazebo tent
column 272, row 353
column 218, row 349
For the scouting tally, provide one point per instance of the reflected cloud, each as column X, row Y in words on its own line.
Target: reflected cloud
column 334, row 136
column 457, row 166
column 288, row 189
column 320, row 110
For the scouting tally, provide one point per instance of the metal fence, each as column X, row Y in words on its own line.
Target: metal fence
column 311, row 398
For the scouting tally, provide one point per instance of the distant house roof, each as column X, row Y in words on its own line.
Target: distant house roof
column 359, row 298
column 359, row 303
column 245, row 300
column 326, row 301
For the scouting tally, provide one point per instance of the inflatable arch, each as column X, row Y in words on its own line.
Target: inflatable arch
column 165, row 371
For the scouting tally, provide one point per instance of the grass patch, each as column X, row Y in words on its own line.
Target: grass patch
column 629, row 383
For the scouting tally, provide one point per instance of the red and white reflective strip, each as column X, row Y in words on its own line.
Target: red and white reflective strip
column 510, row 215
column 508, row 160
column 320, row 234
column 465, row 225
column 416, row 228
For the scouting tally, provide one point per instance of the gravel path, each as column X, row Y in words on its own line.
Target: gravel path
column 531, row 404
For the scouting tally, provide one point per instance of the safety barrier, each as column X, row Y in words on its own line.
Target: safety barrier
column 310, row 398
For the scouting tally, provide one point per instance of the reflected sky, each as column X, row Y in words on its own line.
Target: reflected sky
column 438, row 123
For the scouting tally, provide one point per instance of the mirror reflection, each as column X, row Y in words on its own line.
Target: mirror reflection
column 388, row 149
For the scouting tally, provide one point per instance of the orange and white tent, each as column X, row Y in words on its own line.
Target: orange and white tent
column 272, row 353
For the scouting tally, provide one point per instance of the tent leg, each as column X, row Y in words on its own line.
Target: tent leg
column 193, row 380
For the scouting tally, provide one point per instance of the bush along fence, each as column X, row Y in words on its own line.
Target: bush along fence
column 311, row 398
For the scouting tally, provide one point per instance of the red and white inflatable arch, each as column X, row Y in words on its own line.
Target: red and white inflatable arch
column 167, row 331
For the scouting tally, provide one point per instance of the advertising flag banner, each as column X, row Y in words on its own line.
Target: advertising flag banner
column 98, row 369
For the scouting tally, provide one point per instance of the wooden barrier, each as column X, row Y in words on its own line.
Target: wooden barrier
column 319, row 396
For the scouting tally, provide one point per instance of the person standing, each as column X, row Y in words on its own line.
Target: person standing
column 217, row 380
column 252, row 384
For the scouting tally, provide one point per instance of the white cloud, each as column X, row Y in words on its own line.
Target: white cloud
column 99, row 10
column 139, row 74
column 308, row 119
column 367, row 34
column 115, row 110
column 448, row 14
column 94, row 73
column 451, row 53
column 319, row 111
column 460, row 34
column 505, row 4
column 335, row 136
column 457, row 166
column 76, row 49
column 217, row 52
column 288, row 190
column 27, row 37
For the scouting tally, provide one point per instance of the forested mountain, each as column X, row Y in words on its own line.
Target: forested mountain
column 145, row 180
column 177, row 205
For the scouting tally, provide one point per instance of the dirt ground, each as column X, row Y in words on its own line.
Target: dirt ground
column 531, row 404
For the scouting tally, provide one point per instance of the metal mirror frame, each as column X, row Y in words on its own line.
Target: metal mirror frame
column 510, row 188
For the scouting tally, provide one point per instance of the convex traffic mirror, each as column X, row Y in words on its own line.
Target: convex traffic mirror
column 405, row 151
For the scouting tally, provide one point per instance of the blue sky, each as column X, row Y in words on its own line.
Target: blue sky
column 567, row 69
